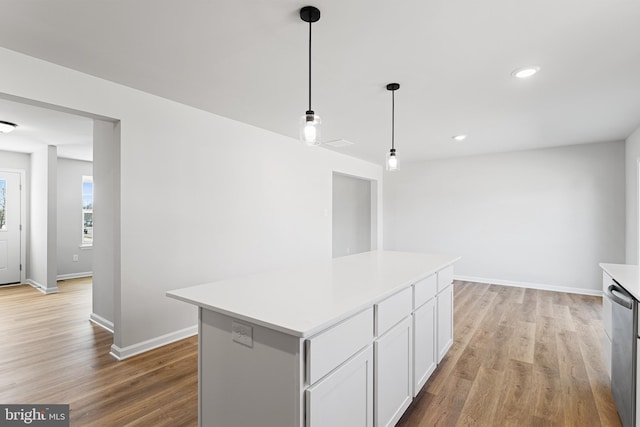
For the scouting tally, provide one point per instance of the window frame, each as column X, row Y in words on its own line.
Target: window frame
column 86, row 243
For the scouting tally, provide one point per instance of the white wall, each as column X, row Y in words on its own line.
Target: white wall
column 632, row 157
column 41, row 265
column 351, row 217
column 106, row 225
column 202, row 197
column 11, row 160
column 70, row 173
column 543, row 218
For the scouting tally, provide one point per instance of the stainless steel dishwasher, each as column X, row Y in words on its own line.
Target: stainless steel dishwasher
column 624, row 327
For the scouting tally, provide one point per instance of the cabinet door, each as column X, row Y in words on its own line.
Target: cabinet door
column 424, row 344
column 393, row 373
column 344, row 398
column 445, row 321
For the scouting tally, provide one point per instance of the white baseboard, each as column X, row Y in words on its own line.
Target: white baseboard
column 74, row 275
column 132, row 350
column 102, row 322
column 553, row 288
column 42, row 288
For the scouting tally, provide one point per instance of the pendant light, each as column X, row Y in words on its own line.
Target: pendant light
column 310, row 122
column 392, row 159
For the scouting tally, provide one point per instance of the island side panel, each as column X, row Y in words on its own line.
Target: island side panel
column 241, row 386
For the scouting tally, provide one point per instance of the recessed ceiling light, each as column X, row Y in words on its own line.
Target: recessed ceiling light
column 6, row 127
column 525, row 72
column 459, row 137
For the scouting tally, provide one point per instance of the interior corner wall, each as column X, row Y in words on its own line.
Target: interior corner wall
column 632, row 157
column 42, row 258
column 204, row 199
column 539, row 218
column 70, row 173
column 106, row 207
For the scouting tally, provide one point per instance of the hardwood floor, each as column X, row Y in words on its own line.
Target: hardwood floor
column 51, row 353
column 520, row 357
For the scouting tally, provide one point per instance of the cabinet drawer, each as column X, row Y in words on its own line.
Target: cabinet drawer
column 424, row 290
column 393, row 309
column 445, row 278
column 328, row 349
column 344, row 397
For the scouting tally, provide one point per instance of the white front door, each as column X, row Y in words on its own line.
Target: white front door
column 10, row 227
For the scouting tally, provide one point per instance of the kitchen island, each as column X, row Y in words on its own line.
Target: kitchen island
column 348, row 341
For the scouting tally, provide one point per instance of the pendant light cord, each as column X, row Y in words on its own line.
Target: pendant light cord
column 393, row 118
column 309, row 65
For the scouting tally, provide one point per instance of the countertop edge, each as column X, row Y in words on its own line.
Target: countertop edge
column 322, row 325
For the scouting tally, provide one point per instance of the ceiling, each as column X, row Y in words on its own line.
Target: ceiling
column 38, row 127
column 247, row 60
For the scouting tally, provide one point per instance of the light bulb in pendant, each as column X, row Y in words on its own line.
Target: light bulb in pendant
column 310, row 128
column 392, row 160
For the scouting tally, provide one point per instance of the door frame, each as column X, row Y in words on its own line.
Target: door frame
column 375, row 208
column 23, row 222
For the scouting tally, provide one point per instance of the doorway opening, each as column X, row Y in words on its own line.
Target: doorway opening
column 62, row 151
column 11, row 226
column 354, row 221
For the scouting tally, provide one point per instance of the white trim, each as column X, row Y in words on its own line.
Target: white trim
column 141, row 347
column 553, row 288
column 42, row 288
column 636, row 216
column 74, row 275
column 101, row 321
column 86, row 247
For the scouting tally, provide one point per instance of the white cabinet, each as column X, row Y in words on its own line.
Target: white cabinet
column 343, row 398
column 424, row 344
column 424, row 290
column 445, row 321
column 393, row 390
column 328, row 349
column 350, row 348
column 445, row 278
column 393, row 309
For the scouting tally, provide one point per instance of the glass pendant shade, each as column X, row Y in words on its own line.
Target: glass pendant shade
column 310, row 128
column 392, row 161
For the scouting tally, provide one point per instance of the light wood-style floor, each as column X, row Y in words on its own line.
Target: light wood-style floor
column 50, row 353
column 520, row 358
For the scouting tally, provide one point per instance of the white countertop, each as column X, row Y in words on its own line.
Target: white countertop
column 306, row 300
column 626, row 275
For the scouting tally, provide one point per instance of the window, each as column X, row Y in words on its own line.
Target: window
column 3, row 204
column 87, row 210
